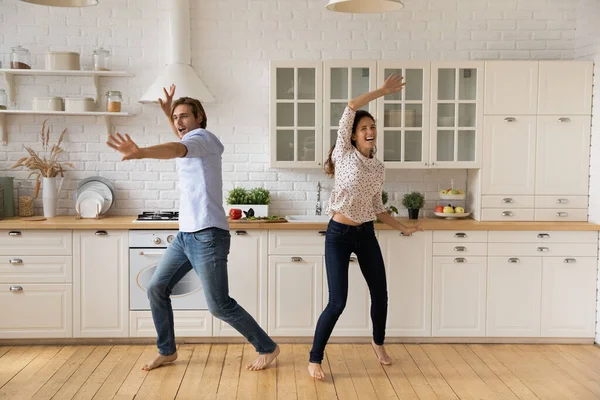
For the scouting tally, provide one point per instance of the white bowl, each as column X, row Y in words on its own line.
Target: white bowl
column 89, row 204
column 452, row 215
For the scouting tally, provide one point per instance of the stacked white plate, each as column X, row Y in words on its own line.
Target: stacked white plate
column 94, row 197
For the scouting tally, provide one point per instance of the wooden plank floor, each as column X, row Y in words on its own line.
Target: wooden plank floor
column 216, row 371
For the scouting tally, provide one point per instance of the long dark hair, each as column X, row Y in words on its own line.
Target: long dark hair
column 329, row 165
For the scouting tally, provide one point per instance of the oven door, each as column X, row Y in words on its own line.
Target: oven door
column 187, row 293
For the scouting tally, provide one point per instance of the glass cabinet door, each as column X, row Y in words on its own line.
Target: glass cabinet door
column 343, row 81
column 456, row 118
column 296, row 114
column 403, row 127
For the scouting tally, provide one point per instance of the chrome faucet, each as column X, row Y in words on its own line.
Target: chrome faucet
column 318, row 207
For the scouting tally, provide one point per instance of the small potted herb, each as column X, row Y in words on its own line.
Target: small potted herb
column 256, row 199
column 384, row 199
column 413, row 201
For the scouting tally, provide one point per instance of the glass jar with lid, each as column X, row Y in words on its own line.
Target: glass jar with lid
column 25, row 196
column 101, row 59
column 3, row 100
column 113, row 101
column 20, row 58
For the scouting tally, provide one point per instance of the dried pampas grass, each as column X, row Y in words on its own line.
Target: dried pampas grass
column 47, row 166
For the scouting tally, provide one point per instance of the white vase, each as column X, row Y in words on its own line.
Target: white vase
column 50, row 191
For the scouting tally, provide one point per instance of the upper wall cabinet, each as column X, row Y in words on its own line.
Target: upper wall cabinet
column 296, row 114
column 403, row 127
column 343, row 81
column 456, row 114
column 565, row 88
column 517, row 95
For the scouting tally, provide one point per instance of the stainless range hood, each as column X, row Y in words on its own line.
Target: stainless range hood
column 178, row 69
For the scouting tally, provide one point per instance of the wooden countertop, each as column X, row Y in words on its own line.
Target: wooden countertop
column 126, row 222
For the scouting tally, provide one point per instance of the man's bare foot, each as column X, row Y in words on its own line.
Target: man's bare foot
column 159, row 360
column 382, row 355
column 316, row 371
column 263, row 360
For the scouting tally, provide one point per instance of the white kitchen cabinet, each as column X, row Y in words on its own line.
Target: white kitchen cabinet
column 100, row 283
column 456, row 114
column 562, row 156
column 565, row 88
column 569, row 296
column 36, row 311
column 408, row 262
column 356, row 318
column 511, row 88
column 296, row 114
column 247, row 271
column 509, row 148
column 459, row 296
column 514, row 290
column 15, row 242
column 403, row 126
column 187, row 323
column 344, row 80
column 295, row 294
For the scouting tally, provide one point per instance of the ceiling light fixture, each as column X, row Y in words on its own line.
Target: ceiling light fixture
column 364, row 6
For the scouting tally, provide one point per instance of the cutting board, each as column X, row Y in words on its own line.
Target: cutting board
column 254, row 221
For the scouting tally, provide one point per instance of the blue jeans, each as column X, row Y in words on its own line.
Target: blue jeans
column 206, row 252
column 340, row 241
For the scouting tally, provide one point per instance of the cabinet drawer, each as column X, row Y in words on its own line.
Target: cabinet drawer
column 544, row 250
column 506, row 214
column 36, row 269
column 187, row 323
column 459, row 250
column 558, row 214
column 37, row 243
column 460, row 236
column 561, row 202
column 543, row 237
column 36, row 311
column 507, row 202
column 297, row 242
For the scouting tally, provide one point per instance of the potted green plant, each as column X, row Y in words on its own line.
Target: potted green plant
column 413, row 201
column 257, row 199
column 384, row 199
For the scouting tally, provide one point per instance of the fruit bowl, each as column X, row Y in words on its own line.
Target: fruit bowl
column 452, row 215
column 460, row 196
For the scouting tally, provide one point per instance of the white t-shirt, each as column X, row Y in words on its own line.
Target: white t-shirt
column 358, row 179
column 201, row 183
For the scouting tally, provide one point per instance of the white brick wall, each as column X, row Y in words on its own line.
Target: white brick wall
column 232, row 44
column 588, row 47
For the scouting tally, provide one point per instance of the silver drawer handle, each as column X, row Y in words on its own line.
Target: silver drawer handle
column 510, row 119
column 321, row 233
column 562, row 214
column 14, row 233
column 562, row 201
column 543, row 236
column 460, row 260
column 15, row 261
column 507, row 213
column 460, row 235
column 152, row 253
column 101, row 233
column 543, row 249
column 514, row 260
column 507, row 200
column 460, row 248
column 564, row 119
column 570, row 260
column 16, row 288
column 405, row 234
column 296, row 259
column 353, row 259
column 241, row 233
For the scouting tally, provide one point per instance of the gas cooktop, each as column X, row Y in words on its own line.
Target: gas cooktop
column 157, row 216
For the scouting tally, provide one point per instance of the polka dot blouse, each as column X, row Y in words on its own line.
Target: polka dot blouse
column 358, row 179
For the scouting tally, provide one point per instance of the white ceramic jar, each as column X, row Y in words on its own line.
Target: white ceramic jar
column 79, row 104
column 48, row 104
column 62, row 61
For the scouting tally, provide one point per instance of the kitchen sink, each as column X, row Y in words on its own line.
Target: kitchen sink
column 308, row 218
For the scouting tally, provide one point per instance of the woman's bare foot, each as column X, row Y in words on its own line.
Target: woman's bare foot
column 382, row 355
column 316, row 371
column 263, row 360
column 159, row 360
